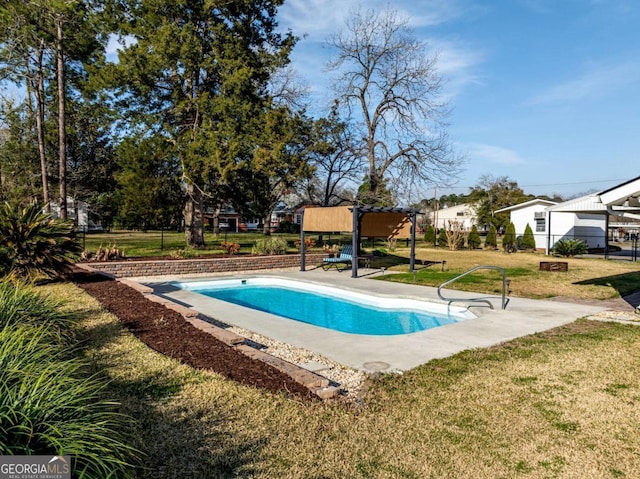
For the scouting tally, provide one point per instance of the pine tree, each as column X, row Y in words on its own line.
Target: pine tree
column 509, row 239
column 430, row 235
column 198, row 77
column 528, row 240
column 474, row 238
column 442, row 238
column 491, row 240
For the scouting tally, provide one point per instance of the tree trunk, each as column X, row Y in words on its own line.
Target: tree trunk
column 193, row 230
column 39, row 92
column 216, row 221
column 266, row 227
column 62, row 137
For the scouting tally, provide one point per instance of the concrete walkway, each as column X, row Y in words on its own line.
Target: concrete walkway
column 383, row 353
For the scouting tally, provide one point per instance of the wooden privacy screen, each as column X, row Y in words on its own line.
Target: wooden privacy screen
column 328, row 219
column 340, row 219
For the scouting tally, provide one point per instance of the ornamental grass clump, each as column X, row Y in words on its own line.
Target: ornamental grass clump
column 20, row 303
column 49, row 403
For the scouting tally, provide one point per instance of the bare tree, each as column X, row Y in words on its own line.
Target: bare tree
column 392, row 84
column 456, row 235
column 337, row 159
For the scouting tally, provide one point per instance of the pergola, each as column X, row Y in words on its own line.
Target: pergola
column 370, row 221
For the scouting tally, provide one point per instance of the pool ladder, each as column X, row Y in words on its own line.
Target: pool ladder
column 505, row 287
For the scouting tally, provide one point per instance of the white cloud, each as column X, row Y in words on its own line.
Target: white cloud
column 598, row 82
column 495, row 154
column 456, row 64
column 319, row 18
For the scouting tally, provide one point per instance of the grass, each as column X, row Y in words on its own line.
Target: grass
column 587, row 278
column 157, row 243
column 563, row 403
column 50, row 403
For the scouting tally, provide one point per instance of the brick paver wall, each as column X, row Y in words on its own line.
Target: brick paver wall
column 129, row 269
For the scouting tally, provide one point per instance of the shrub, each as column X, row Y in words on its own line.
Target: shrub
column 270, row 246
column 474, row 240
column 570, row 247
column 230, row 247
column 104, row 253
column 33, row 244
column 528, row 240
column 442, row 238
column 183, row 253
column 509, row 239
column 287, row 226
column 430, row 235
column 310, row 243
column 491, row 241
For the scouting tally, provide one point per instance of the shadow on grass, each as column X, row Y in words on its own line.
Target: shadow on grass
column 625, row 284
column 177, row 438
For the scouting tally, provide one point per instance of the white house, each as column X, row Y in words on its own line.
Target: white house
column 534, row 214
column 464, row 214
column 78, row 211
column 582, row 218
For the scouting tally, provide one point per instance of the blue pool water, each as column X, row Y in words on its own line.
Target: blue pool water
column 324, row 310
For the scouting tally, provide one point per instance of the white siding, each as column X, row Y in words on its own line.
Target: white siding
column 527, row 215
column 465, row 214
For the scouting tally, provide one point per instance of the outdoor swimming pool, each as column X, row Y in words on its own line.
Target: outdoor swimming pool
column 332, row 308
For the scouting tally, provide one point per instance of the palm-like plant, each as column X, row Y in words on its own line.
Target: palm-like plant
column 570, row 247
column 33, row 243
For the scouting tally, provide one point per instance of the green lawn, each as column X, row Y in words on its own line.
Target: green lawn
column 161, row 243
column 559, row 404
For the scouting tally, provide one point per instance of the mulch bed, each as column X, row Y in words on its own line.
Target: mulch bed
column 169, row 333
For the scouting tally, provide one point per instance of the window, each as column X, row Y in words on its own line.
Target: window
column 540, row 225
column 460, row 213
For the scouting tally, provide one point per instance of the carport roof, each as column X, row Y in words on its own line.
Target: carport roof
column 584, row 204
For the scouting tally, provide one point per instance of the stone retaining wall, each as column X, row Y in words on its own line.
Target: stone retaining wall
column 130, row 269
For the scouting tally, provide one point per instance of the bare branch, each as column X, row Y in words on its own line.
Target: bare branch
column 388, row 77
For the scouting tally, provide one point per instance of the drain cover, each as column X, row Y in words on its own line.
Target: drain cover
column 376, row 366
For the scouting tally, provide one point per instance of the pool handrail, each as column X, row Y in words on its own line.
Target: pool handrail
column 505, row 283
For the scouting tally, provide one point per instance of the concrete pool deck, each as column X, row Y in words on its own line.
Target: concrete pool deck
column 380, row 353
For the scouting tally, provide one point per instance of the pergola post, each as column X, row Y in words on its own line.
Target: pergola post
column 302, row 248
column 412, row 256
column 354, row 242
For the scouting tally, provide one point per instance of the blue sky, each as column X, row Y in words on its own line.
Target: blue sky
column 546, row 92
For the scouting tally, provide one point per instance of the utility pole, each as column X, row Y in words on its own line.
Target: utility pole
column 435, row 215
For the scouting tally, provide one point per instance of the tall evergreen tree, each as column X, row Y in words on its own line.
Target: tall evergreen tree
column 196, row 75
column 45, row 47
column 491, row 241
column 474, row 240
column 528, row 240
column 509, row 239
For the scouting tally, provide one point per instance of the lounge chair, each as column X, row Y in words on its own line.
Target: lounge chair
column 345, row 257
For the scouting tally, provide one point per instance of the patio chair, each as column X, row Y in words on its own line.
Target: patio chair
column 345, row 257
